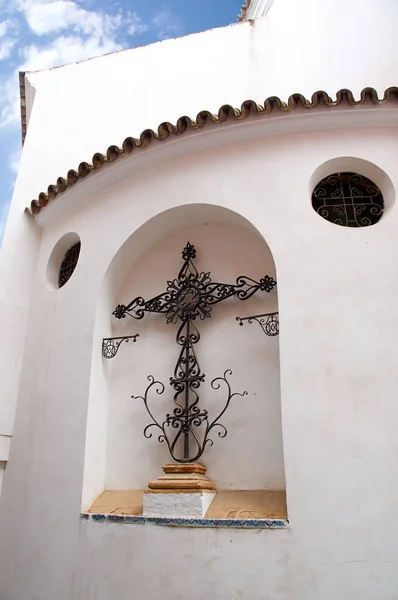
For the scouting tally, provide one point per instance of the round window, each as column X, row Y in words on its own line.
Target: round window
column 348, row 199
column 62, row 261
column 68, row 264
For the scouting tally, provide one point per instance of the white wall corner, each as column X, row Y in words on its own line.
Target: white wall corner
column 5, row 442
column 258, row 9
column 3, row 464
column 30, row 92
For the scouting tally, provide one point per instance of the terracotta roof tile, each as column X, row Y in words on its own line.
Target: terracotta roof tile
column 243, row 10
column 184, row 124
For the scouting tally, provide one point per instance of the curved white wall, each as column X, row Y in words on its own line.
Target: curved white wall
column 337, row 290
column 298, row 47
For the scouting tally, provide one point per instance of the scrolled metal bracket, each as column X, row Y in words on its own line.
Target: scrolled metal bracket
column 110, row 346
column 268, row 322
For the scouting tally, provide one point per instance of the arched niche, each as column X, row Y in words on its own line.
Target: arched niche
column 118, row 456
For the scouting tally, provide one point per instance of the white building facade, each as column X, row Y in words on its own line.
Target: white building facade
column 218, row 139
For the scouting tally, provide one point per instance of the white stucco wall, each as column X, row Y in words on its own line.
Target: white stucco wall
column 338, row 380
column 337, row 292
column 297, row 47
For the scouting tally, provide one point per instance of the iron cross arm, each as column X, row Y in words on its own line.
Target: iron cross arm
column 192, row 295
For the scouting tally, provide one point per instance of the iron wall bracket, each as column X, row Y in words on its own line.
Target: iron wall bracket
column 269, row 322
column 110, row 346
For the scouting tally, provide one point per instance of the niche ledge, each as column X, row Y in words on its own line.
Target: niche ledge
column 257, row 509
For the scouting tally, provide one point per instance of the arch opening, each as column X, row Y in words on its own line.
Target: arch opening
column 250, row 457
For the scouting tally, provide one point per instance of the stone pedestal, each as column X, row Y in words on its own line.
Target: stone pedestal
column 183, row 491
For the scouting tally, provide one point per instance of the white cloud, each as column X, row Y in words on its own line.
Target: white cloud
column 64, row 50
column 15, row 159
column 51, row 16
column 134, row 24
column 44, row 17
column 5, row 48
column 8, row 37
column 3, row 28
column 10, row 112
column 168, row 25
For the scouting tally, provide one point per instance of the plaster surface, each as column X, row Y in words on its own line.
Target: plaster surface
column 337, row 291
column 273, row 56
column 337, row 388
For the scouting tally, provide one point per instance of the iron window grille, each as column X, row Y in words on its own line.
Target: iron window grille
column 68, row 264
column 348, row 199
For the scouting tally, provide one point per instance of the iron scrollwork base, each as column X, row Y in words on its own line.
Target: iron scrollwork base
column 187, row 423
column 268, row 322
column 110, row 346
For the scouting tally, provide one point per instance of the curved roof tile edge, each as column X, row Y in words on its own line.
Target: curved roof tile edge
column 165, row 130
column 243, row 10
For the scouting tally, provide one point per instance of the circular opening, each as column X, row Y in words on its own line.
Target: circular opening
column 366, row 169
column 348, row 199
column 63, row 260
column 69, row 263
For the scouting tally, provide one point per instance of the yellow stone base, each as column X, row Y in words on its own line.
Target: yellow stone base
column 182, row 478
column 228, row 504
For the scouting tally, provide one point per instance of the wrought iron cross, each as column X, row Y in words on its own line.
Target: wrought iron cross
column 188, row 298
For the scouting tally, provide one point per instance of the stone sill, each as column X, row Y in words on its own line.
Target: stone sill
column 228, row 505
column 186, row 522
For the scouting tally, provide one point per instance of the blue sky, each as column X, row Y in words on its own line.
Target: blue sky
column 38, row 34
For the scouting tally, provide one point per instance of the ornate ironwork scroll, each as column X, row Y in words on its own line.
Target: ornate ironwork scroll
column 268, row 322
column 188, row 298
column 348, row 199
column 110, row 346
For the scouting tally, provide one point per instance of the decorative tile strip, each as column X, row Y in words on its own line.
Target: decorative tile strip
column 186, row 522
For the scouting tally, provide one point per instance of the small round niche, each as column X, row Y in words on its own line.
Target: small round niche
column 63, row 260
column 348, row 199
